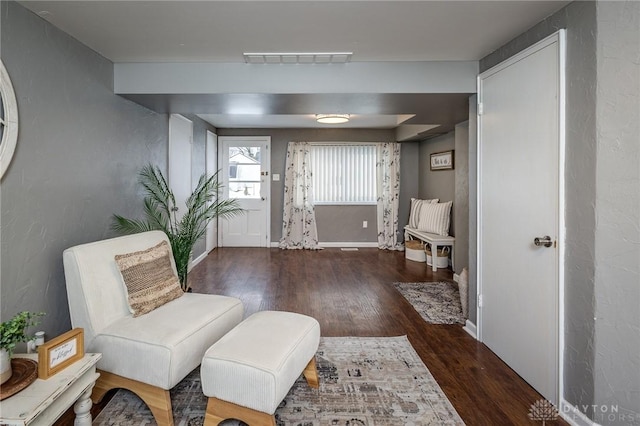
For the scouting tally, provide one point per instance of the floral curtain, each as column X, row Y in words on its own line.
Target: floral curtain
column 299, row 220
column 388, row 189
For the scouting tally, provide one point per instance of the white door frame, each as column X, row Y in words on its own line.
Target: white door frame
column 267, row 178
column 560, row 38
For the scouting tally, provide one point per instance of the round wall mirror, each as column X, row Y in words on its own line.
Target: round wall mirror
column 8, row 120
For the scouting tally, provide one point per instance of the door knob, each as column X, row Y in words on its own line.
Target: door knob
column 543, row 241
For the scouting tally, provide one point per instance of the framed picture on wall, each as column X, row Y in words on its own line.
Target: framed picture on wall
column 442, row 160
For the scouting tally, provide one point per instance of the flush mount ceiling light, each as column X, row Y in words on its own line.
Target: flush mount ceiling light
column 332, row 118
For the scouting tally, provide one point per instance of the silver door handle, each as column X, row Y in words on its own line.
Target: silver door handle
column 543, row 241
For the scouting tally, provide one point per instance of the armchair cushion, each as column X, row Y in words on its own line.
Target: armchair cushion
column 163, row 346
column 149, row 278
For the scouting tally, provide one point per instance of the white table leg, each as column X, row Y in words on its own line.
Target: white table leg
column 82, row 408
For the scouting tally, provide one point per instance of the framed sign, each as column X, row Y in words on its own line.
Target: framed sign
column 442, row 160
column 57, row 354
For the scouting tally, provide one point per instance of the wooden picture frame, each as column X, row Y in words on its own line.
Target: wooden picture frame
column 442, row 160
column 59, row 353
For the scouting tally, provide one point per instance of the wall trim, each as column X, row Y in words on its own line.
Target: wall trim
column 347, row 244
column 275, row 244
column 197, row 260
column 573, row 416
column 470, row 328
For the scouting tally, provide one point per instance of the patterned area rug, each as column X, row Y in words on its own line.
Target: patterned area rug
column 364, row 381
column 436, row 302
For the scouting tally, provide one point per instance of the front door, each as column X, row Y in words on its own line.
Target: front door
column 245, row 166
column 520, row 199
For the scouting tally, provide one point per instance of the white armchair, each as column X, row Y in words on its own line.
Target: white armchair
column 151, row 353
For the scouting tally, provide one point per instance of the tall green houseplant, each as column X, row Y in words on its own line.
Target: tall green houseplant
column 161, row 213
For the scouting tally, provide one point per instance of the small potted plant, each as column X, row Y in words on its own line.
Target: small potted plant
column 13, row 332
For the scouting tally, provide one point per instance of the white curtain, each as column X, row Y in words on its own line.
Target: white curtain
column 388, row 188
column 299, row 229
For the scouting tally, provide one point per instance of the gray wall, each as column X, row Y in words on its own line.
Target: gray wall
column 79, row 150
column 438, row 183
column 460, row 213
column 602, row 344
column 349, row 227
column 617, row 248
column 473, row 206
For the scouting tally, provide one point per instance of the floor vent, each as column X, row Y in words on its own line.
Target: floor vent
column 349, row 249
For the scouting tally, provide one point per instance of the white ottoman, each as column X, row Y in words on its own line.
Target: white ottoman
column 249, row 371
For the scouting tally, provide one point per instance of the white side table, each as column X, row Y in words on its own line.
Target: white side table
column 44, row 401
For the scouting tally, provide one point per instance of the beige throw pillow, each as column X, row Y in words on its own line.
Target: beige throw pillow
column 149, row 278
column 416, row 204
column 435, row 218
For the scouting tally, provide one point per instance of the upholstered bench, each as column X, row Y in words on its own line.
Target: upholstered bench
column 249, row 371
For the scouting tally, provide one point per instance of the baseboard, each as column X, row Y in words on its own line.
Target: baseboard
column 347, row 244
column 276, row 244
column 197, row 260
column 456, row 277
column 573, row 416
column 470, row 328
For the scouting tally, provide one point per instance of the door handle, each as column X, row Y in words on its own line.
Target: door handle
column 543, row 241
column 264, row 198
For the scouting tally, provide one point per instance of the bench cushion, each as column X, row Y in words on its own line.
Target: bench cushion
column 256, row 363
column 161, row 347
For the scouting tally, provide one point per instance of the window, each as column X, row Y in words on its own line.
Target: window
column 244, row 172
column 344, row 174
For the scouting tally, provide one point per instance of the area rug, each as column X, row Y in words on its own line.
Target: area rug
column 436, row 302
column 364, row 381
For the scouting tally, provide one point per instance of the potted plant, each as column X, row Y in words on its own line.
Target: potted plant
column 160, row 211
column 13, row 332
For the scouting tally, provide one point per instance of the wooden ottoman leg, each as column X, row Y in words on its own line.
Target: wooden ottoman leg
column 219, row 410
column 311, row 373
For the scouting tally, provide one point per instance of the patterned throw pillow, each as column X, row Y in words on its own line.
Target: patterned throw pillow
column 435, row 218
column 149, row 278
column 415, row 210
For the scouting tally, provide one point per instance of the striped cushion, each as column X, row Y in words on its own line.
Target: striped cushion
column 149, row 278
column 415, row 210
column 435, row 218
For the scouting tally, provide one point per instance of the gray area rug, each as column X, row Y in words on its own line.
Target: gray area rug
column 436, row 302
column 364, row 381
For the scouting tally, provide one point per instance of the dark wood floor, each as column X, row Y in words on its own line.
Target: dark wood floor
column 350, row 294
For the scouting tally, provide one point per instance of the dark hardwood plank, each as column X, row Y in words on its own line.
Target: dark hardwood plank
column 351, row 294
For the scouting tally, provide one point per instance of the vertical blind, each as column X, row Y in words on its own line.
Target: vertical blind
column 344, row 174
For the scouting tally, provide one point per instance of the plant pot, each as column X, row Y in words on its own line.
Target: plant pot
column 5, row 366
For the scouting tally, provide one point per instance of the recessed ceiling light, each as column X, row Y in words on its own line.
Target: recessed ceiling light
column 332, row 118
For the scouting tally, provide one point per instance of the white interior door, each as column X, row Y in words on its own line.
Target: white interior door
column 212, row 167
column 519, row 199
column 245, row 164
column 180, row 144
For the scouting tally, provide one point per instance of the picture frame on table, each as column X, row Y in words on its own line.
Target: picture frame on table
column 60, row 352
column 442, row 160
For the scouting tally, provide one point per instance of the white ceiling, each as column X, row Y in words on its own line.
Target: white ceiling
column 221, row 31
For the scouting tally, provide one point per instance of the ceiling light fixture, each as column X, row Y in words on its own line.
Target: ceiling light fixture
column 332, row 118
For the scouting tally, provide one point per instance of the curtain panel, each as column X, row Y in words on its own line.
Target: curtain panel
column 388, row 188
column 299, row 229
